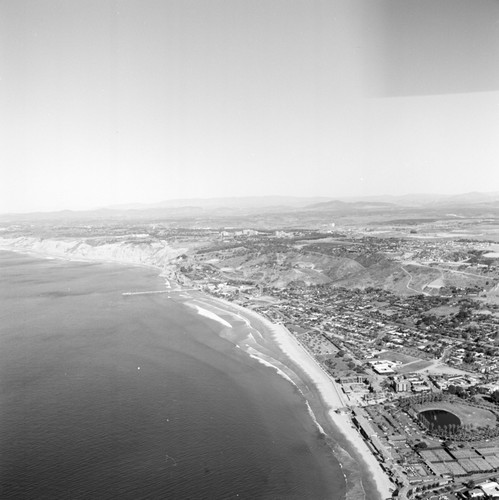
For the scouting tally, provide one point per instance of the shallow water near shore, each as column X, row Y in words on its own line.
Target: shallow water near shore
column 105, row 396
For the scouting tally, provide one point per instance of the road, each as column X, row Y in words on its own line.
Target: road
column 412, row 263
column 410, row 280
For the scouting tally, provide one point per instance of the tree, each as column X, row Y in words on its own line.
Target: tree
column 469, row 358
column 472, row 390
column 462, row 314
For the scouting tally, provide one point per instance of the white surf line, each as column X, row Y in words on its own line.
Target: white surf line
column 259, row 357
column 251, row 338
column 258, row 334
column 232, row 313
column 209, row 314
column 270, row 365
column 314, row 418
column 329, row 391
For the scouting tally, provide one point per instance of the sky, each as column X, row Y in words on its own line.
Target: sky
column 106, row 102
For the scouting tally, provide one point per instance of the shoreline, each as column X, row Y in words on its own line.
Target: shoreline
column 44, row 254
column 13, row 245
column 329, row 393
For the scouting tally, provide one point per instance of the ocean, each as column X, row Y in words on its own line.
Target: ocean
column 140, row 397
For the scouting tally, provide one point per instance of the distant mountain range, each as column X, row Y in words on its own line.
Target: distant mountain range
column 229, row 202
column 232, row 206
column 424, row 199
column 351, row 205
column 260, row 202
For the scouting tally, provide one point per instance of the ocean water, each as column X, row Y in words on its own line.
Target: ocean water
column 105, row 396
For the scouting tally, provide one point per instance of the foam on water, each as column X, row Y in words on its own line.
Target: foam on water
column 280, row 372
column 270, row 365
column 198, row 420
column 209, row 314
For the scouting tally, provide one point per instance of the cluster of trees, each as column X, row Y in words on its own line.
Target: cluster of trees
column 456, row 432
column 422, row 490
column 333, row 365
column 461, row 392
column 432, row 397
column 494, row 397
column 423, row 398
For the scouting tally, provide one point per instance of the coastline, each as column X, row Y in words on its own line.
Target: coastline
column 114, row 253
column 330, row 395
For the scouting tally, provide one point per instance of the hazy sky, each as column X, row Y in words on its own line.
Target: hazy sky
column 105, row 102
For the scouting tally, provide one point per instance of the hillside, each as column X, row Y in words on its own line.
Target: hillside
column 145, row 252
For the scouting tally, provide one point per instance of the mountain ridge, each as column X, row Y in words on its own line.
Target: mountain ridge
column 252, row 204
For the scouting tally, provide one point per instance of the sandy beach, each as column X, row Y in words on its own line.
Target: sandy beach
column 331, row 395
column 256, row 345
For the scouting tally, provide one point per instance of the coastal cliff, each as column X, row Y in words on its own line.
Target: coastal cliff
column 154, row 253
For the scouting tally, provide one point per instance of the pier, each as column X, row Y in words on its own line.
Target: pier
column 170, row 290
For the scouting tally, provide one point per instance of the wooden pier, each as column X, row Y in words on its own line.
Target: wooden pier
column 170, row 290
